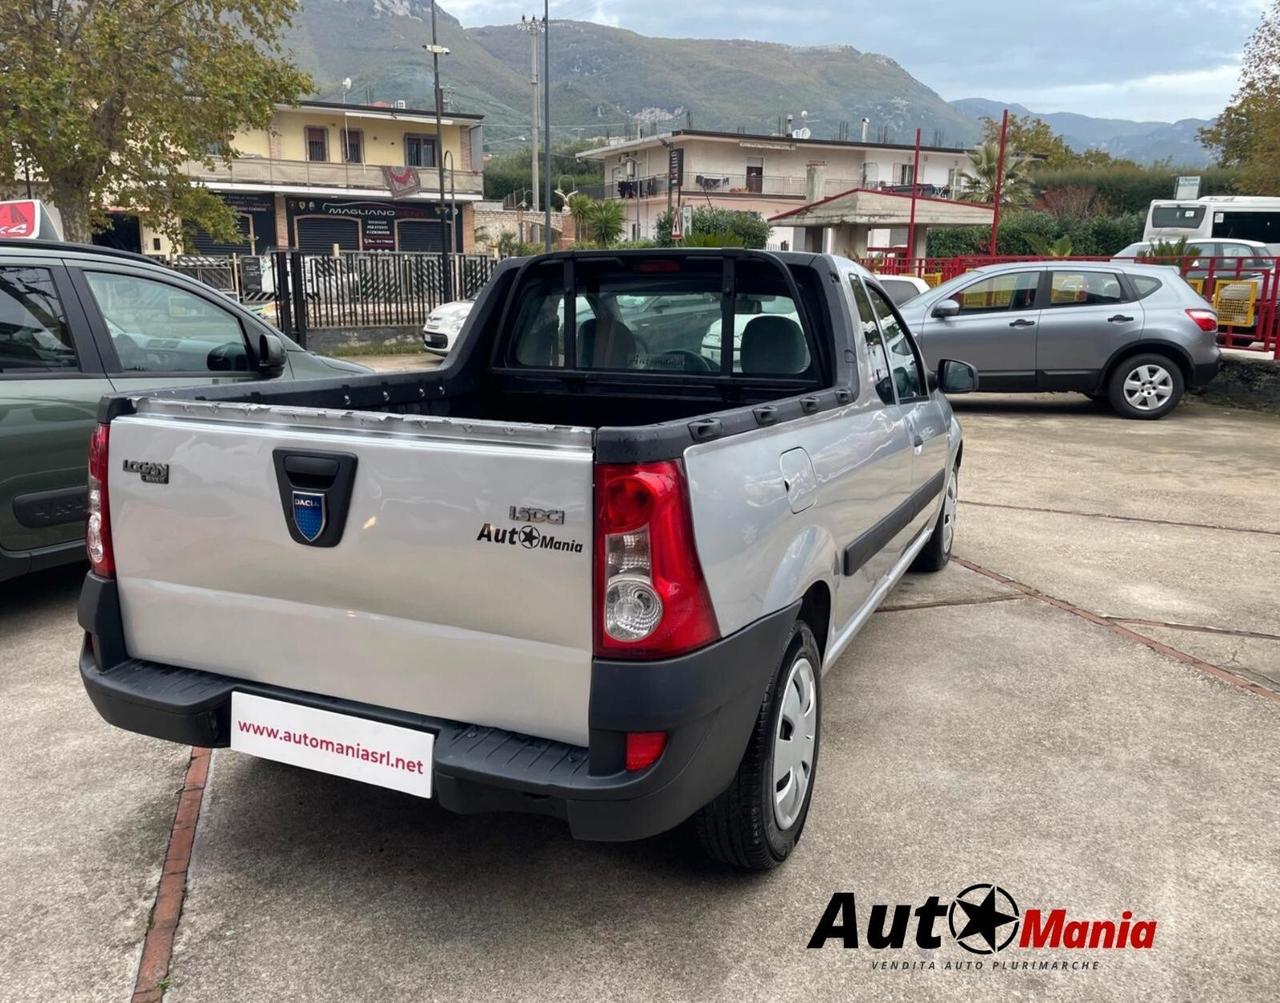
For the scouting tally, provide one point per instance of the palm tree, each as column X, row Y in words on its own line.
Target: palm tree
column 1046, row 248
column 978, row 183
column 579, row 205
column 605, row 221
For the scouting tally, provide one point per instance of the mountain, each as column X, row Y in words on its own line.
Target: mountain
column 1145, row 142
column 604, row 79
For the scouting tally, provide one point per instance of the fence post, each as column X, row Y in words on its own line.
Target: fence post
column 297, row 288
column 280, row 276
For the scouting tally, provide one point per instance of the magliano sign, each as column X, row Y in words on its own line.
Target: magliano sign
column 982, row 919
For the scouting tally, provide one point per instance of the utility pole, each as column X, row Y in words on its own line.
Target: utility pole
column 999, row 184
column 446, row 258
column 533, row 26
column 915, row 187
column 546, row 123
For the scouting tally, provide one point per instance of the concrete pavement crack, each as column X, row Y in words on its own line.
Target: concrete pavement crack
column 1120, row 518
column 903, row 607
column 1197, row 627
column 1216, row 671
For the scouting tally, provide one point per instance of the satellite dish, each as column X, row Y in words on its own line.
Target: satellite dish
column 804, row 114
column 804, row 133
column 346, row 83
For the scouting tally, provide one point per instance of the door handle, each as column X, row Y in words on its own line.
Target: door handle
column 1022, row 322
column 917, row 440
column 1119, row 319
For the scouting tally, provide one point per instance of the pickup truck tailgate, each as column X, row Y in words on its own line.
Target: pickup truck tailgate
column 439, row 598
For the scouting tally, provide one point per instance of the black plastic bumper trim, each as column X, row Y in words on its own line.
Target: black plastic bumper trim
column 706, row 701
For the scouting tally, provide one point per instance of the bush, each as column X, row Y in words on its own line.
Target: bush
column 1022, row 232
column 718, row 224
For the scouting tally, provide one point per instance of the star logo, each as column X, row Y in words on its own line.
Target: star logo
column 983, row 918
column 529, row 537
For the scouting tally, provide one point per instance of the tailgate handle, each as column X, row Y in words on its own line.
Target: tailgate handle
column 315, row 493
column 310, row 471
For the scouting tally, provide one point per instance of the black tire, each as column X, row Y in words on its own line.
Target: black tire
column 937, row 552
column 740, row 827
column 1151, row 362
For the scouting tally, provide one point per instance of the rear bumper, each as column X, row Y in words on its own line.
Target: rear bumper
column 706, row 701
column 1203, row 372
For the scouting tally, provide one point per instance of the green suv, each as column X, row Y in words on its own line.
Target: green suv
column 77, row 322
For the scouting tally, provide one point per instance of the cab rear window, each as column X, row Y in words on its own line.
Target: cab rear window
column 660, row 315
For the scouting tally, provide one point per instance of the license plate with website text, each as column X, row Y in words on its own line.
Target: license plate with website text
column 369, row 751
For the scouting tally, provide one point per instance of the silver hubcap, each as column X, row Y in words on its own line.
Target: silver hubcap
column 1148, row 387
column 793, row 745
column 949, row 512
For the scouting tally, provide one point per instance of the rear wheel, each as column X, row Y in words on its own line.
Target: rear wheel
column 1145, row 386
column 757, row 821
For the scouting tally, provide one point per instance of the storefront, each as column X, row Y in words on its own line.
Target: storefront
column 317, row 224
column 255, row 219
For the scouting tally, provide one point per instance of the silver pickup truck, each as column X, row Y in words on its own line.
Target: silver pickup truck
column 593, row 566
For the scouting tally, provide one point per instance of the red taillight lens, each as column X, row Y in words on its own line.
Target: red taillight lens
column 1206, row 320
column 97, row 537
column 651, row 598
column 644, row 748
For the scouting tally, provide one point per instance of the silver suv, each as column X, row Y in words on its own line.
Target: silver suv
column 1133, row 335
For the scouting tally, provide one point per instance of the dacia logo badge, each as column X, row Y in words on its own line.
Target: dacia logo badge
column 309, row 514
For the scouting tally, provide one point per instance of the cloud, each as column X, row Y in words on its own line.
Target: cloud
column 1162, row 59
column 1194, row 93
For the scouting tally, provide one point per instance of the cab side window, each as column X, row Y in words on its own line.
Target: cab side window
column 156, row 327
column 904, row 366
column 33, row 329
column 876, row 354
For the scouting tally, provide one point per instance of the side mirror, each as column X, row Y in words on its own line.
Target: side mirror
column 945, row 308
column 271, row 356
column 956, row 377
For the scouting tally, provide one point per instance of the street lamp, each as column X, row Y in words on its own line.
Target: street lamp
column 437, row 51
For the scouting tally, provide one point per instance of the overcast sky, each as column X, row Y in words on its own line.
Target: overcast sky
column 1143, row 59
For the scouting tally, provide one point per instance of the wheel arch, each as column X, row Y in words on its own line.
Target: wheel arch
column 1149, row 346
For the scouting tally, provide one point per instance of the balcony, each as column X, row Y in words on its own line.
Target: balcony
column 320, row 174
column 747, row 185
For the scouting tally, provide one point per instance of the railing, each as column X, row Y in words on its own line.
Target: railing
column 269, row 170
column 354, row 289
column 768, row 185
column 1244, row 291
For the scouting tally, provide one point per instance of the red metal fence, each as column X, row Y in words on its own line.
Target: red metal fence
column 1245, row 293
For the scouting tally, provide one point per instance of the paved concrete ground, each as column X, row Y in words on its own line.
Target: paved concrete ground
column 973, row 733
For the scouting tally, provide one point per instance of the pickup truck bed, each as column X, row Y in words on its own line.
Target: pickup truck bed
column 587, row 559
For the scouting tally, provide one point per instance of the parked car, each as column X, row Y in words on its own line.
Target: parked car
column 1227, row 257
column 902, row 288
column 579, row 578
column 1133, row 335
column 442, row 326
column 77, row 322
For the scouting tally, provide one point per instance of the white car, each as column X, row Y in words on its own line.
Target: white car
column 442, row 326
column 902, row 288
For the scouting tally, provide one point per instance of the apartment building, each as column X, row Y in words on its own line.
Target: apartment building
column 318, row 177
column 765, row 174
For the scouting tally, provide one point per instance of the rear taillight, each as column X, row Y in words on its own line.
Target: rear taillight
column 97, row 538
column 651, row 598
column 1206, row 320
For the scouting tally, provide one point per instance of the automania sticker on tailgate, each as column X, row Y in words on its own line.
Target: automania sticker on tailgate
column 368, row 751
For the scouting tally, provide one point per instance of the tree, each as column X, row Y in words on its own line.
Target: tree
column 739, row 229
column 579, row 206
column 109, row 99
column 978, row 183
column 1247, row 133
column 1034, row 140
column 605, row 221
